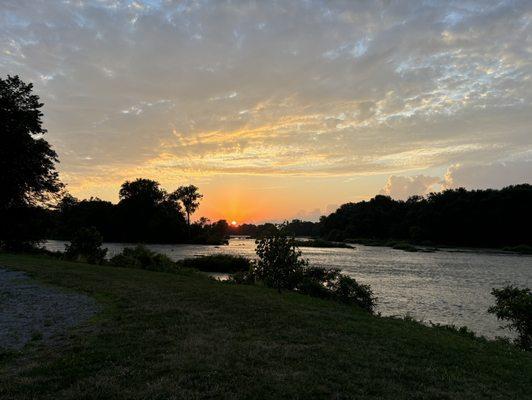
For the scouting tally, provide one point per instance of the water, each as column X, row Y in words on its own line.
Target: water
column 445, row 287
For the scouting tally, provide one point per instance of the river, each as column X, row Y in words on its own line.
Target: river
column 444, row 287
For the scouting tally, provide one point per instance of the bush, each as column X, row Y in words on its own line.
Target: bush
column 347, row 290
column 86, row 245
column 141, row 257
column 515, row 305
column 218, row 263
column 279, row 265
column 329, row 283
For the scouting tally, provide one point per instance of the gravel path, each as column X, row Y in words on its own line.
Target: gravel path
column 31, row 311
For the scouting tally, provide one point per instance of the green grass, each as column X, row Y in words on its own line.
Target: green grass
column 184, row 336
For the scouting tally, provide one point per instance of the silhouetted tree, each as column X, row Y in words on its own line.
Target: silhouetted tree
column 189, row 197
column 27, row 162
column 142, row 191
column 514, row 305
column 27, row 167
column 86, row 245
column 453, row 217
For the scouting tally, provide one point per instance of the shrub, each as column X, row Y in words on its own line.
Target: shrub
column 329, row 283
column 218, row 263
column 86, row 245
column 279, row 265
column 347, row 290
column 515, row 305
column 141, row 257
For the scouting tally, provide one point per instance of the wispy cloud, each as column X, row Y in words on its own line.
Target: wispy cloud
column 294, row 88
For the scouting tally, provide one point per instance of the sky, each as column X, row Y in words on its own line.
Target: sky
column 279, row 109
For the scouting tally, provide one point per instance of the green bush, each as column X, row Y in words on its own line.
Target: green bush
column 218, row 263
column 329, row 283
column 279, row 265
column 86, row 245
column 514, row 305
column 141, row 257
column 347, row 290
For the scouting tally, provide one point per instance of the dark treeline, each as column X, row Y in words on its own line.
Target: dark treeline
column 477, row 218
column 295, row 227
column 146, row 213
column 485, row 218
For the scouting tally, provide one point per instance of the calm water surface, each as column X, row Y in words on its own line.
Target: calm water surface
column 446, row 287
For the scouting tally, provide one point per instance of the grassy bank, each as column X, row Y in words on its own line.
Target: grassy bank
column 183, row 336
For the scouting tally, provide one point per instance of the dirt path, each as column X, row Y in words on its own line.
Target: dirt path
column 31, row 311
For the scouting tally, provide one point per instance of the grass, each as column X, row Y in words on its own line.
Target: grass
column 184, row 336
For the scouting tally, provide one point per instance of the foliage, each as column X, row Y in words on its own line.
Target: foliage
column 458, row 217
column 146, row 213
column 254, row 231
column 27, row 167
column 279, row 265
column 86, row 245
column 514, row 305
column 189, row 196
column 22, row 228
column 142, row 257
column 27, row 161
column 330, row 283
column 204, row 232
column 218, row 263
column 347, row 290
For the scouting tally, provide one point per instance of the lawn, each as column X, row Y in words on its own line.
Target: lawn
column 184, row 336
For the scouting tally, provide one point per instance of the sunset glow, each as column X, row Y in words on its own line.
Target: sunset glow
column 279, row 110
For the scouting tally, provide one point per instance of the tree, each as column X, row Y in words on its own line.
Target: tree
column 27, row 162
column 280, row 265
column 515, row 305
column 86, row 245
column 189, row 197
column 146, row 213
column 145, row 192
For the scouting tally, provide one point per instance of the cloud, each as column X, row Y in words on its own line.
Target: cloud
column 470, row 176
column 402, row 187
column 275, row 88
column 492, row 176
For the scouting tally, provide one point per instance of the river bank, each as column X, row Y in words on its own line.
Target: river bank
column 186, row 336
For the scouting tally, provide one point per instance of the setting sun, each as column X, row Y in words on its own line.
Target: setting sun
column 233, row 223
